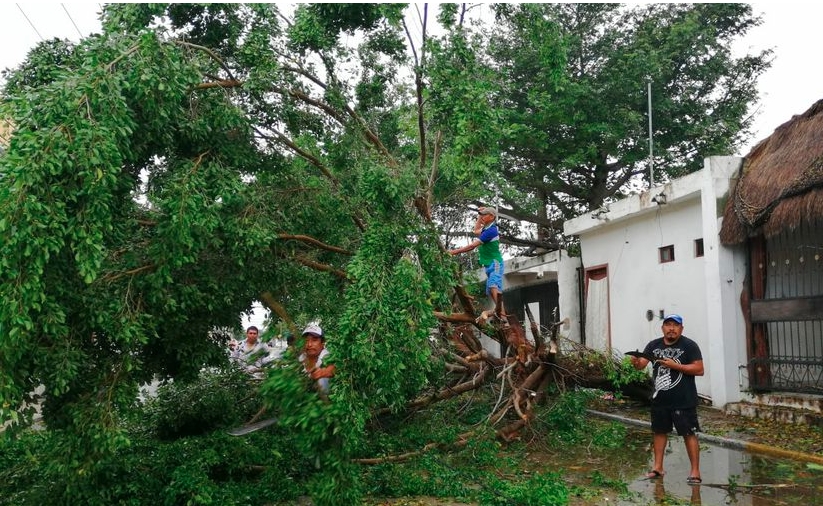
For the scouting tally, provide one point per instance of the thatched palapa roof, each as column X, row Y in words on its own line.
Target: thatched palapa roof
column 781, row 184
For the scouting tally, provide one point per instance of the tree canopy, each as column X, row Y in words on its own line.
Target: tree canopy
column 569, row 91
column 193, row 158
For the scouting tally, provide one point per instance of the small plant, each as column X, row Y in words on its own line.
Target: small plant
column 734, row 483
column 622, row 373
column 566, row 420
column 612, row 435
column 538, row 490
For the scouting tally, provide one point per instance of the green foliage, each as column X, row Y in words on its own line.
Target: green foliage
column 271, row 466
column 621, row 373
column 572, row 95
column 599, row 480
column 566, row 420
column 45, row 63
column 612, row 435
column 734, row 483
column 176, row 468
column 539, row 489
column 467, row 473
column 322, row 430
column 317, row 26
column 215, row 399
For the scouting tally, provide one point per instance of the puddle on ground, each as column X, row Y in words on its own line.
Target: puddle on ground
column 730, row 477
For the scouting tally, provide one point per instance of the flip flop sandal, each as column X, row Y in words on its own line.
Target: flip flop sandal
column 694, row 480
column 653, row 475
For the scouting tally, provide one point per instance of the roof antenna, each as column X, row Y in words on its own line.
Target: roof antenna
column 651, row 156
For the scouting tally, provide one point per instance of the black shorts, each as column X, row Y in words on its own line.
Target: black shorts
column 683, row 420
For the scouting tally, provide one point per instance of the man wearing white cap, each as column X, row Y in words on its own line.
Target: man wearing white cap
column 314, row 351
column 489, row 256
column 677, row 360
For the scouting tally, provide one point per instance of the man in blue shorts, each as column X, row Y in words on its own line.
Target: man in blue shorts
column 677, row 361
column 489, row 256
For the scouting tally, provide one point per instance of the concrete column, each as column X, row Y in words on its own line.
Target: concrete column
column 724, row 274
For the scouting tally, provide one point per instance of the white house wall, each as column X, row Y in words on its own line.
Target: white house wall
column 725, row 272
column 704, row 290
column 638, row 282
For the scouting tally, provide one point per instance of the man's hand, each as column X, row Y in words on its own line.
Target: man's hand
column 638, row 362
column 322, row 372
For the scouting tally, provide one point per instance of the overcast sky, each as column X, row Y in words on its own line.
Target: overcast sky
column 790, row 87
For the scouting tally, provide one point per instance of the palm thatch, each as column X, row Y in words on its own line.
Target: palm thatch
column 781, row 185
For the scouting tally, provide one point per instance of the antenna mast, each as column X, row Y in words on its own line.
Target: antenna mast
column 651, row 155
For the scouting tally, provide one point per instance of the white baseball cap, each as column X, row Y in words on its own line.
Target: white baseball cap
column 314, row 329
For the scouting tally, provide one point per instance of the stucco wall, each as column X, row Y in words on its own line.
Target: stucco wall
column 626, row 239
column 638, row 282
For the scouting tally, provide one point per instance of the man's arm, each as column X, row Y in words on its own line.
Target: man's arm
column 478, row 229
column 323, row 372
column 475, row 243
column 693, row 369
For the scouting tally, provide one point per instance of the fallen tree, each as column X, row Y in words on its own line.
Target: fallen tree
column 191, row 159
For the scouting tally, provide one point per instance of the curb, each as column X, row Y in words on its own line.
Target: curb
column 734, row 444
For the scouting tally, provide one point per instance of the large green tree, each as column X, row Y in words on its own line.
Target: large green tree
column 569, row 90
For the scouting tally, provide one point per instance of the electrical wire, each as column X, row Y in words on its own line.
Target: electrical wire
column 30, row 23
column 72, row 20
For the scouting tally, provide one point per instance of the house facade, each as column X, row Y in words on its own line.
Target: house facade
column 658, row 253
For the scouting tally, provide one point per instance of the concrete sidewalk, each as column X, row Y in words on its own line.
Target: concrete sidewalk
column 735, row 444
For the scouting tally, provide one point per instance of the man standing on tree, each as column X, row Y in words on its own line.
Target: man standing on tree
column 488, row 255
column 677, row 360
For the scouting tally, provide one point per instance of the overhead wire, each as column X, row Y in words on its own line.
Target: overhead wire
column 79, row 33
column 30, row 23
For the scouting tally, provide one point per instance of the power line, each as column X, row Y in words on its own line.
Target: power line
column 32, row 24
column 72, row 20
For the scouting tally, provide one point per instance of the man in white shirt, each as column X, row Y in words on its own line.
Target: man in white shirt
column 251, row 353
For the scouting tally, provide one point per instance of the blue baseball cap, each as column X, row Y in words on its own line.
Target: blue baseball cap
column 675, row 318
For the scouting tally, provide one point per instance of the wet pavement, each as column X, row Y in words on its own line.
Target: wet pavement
column 730, row 476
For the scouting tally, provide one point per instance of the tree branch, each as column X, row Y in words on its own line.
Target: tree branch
column 114, row 276
column 268, row 299
column 320, row 266
column 311, row 240
column 226, row 83
column 211, row 54
column 280, row 137
column 463, row 439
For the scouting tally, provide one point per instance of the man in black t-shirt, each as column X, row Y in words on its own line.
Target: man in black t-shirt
column 677, row 360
